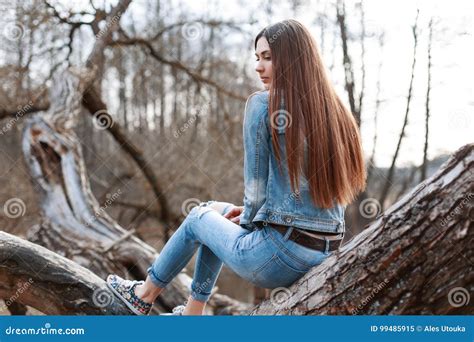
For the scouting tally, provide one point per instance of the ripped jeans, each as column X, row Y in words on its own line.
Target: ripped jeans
column 261, row 255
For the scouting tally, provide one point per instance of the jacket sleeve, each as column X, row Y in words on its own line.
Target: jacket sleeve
column 257, row 140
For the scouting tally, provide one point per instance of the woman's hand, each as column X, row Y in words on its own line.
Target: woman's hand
column 234, row 214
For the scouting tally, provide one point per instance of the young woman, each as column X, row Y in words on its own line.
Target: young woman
column 303, row 163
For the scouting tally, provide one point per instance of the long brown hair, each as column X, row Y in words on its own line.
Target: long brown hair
column 335, row 167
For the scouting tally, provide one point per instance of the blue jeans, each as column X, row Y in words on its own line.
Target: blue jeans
column 261, row 255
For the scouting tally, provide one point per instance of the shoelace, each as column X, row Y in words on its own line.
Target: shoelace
column 129, row 283
column 179, row 310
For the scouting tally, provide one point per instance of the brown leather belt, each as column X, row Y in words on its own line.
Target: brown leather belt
column 308, row 241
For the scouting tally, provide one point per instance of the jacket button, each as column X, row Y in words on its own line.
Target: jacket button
column 288, row 219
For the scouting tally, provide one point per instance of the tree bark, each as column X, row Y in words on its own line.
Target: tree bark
column 417, row 258
column 34, row 276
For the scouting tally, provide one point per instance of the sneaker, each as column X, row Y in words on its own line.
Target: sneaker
column 125, row 290
column 177, row 311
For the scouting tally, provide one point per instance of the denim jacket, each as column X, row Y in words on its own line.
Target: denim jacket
column 268, row 197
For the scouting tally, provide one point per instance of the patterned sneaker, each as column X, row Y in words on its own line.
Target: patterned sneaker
column 177, row 311
column 125, row 290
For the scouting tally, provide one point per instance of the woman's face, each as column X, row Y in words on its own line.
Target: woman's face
column 264, row 62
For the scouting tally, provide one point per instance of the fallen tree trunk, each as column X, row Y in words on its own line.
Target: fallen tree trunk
column 74, row 223
column 34, row 276
column 416, row 258
column 76, row 227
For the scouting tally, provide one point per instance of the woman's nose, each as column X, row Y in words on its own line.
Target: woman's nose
column 259, row 67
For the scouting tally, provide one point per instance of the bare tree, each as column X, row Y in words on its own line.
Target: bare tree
column 73, row 222
column 424, row 166
column 347, row 62
column 389, row 178
column 407, row 181
column 356, row 222
column 371, row 166
column 93, row 101
column 362, row 56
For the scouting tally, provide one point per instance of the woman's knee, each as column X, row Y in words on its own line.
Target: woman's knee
column 199, row 210
column 220, row 207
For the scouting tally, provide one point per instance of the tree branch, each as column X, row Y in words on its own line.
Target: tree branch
column 175, row 65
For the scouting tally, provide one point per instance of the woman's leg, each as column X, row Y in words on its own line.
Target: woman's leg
column 148, row 292
column 206, row 271
column 180, row 248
